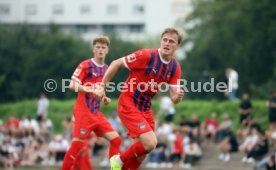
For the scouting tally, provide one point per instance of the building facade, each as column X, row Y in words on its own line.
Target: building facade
column 129, row 18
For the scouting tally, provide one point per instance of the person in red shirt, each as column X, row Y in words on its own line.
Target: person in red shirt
column 87, row 114
column 149, row 68
column 12, row 124
column 210, row 126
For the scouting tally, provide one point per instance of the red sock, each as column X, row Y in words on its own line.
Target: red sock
column 133, row 152
column 131, row 165
column 115, row 146
column 71, row 155
column 84, row 158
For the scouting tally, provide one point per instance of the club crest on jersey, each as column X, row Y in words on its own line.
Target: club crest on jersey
column 142, row 125
column 82, row 131
column 77, row 72
column 131, row 58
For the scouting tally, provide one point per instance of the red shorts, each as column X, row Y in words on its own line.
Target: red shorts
column 135, row 121
column 86, row 122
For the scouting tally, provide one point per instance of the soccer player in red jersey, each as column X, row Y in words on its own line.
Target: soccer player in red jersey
column 87, row 114
column 149, row 68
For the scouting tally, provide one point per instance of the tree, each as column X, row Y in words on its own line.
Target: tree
column 241, row 34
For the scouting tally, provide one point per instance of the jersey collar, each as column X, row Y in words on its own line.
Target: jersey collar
column 163, row 61
column 98, row 65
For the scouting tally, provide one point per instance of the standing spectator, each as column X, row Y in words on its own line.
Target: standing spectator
column 233, row 77
column 245, row 107
column 272, row 111
column 42, row 107
column 166, row 107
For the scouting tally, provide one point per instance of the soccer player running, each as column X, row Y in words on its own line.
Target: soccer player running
column 87, row 114
column 149, row 68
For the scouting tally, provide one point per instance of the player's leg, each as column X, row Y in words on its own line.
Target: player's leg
column 84, row 124
column 104, row 129
column 84, row 162
column 134, row 163
column 115, row 142
column 71, row 155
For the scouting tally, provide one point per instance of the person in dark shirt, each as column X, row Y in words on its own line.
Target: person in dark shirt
column 272, row 111
column 245, row 107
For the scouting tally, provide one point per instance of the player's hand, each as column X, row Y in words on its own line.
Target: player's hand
column 99, row 91
column 179, row 94
column 106, row 100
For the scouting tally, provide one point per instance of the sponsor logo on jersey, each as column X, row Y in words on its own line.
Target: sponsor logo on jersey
column 77, row 72
column 131, row 58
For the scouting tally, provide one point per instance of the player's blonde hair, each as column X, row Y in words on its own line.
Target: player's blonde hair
column 173, row 31
column 101, row 39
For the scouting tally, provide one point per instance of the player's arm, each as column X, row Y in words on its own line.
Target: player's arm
column 112, row 70
column 109, row 74
column 176, row 93
column 75, row 86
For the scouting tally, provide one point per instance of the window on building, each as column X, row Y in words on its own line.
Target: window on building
column 58, row 9
column 31, row 9
column 137, row 28
column 138, row 9
column 5, row 9
column 112, row 9
column 82, row 28
column 85, row 9
column 109, row 28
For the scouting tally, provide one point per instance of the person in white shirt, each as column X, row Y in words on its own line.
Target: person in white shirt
column 42, row 107
column 233, row 85
column 166, row 107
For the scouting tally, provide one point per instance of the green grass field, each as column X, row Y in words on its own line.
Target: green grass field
column 59, row 110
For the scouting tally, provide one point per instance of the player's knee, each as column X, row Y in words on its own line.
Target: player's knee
column 116, row 141
column 150, row 144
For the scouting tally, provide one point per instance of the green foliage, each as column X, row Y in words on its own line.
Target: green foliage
column 240, row 34
column 59, row 110
column 30, row 56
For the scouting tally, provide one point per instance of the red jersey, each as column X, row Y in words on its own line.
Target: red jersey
column 147, row 72
column 88, row 73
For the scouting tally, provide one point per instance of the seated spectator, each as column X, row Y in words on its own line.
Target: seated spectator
column 176, row 146
column 227, row 145
column 68, row 128
column 192, row 153
column 224, row 127
column 210, row 126
column 195, row 128
column 249, row 143
column 271, row 163
column 12, row 124
column 57, row 148
column 259, row 150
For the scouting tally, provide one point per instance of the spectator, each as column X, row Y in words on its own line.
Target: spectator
column 249, row 143
column 115, row 122
column 232, row 76
column 272, row 111
column 166, row 107
column 224, row 127
column 68, row 128
column 42, row 107
column 227, row 145
column 245, row 107
column 192, row 153
column 210, row 126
